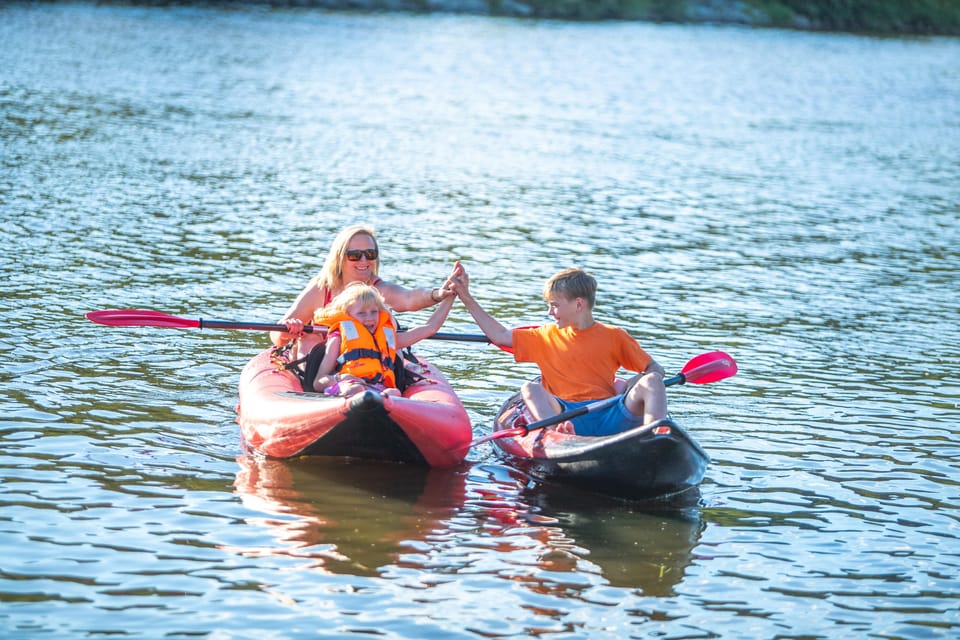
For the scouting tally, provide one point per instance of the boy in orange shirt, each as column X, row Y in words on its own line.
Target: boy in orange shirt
column 578, row 359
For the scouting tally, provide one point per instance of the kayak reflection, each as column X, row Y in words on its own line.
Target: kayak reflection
column 347, row 517
column 643, row 546
column 364, row 517
column 647, row 550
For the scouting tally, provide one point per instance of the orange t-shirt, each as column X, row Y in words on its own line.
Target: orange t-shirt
column 580, row 364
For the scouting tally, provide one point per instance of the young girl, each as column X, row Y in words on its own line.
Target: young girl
column 363, row 342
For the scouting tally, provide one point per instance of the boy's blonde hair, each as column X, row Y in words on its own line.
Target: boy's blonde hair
column 351, row 294
column 331, row 275
column 572, row 283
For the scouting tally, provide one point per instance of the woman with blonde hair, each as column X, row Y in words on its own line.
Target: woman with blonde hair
column 354, row 256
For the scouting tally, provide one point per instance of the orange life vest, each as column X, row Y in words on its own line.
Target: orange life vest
column 370, row 357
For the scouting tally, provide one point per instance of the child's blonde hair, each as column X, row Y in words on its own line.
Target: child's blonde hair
column 572, row 283
column 351, row 294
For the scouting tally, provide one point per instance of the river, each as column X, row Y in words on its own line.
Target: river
column 790, row 198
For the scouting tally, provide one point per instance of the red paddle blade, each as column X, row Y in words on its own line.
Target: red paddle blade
column 140, row 318
column 709, row 367
column 496, row 435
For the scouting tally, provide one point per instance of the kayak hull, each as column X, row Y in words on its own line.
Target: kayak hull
column 648, row 462
column 427, row 426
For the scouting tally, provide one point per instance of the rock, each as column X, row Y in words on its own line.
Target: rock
column 725, row 11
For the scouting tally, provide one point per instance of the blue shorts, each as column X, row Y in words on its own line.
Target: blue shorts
column 602, row 422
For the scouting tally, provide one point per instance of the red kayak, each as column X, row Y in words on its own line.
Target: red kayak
column 427, row 426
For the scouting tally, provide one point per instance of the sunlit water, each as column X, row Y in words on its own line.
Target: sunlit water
column 790, row 198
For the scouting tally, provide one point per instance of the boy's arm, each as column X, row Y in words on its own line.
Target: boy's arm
column 498, row 334
column 654, row 367
column 415, row 335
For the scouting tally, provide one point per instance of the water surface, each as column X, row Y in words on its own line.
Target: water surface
column 790, row 198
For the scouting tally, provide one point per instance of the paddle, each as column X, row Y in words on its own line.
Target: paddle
column 148, row 318
column 703, row 369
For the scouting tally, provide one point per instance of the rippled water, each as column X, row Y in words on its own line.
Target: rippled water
column 790, row 198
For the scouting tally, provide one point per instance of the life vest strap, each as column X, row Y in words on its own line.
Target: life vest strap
column 357, row 354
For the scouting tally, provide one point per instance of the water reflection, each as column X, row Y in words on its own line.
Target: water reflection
column 345, row 517
column 646, row 547
column 648, row 550
column 369, row 518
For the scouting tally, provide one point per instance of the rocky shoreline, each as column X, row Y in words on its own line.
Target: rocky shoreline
column 697, row 11
column 879, row 17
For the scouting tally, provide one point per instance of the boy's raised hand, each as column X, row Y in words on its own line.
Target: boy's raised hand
column 459, row 281
column 448, row 288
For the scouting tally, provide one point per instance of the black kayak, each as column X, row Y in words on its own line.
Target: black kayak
column 649, row 462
